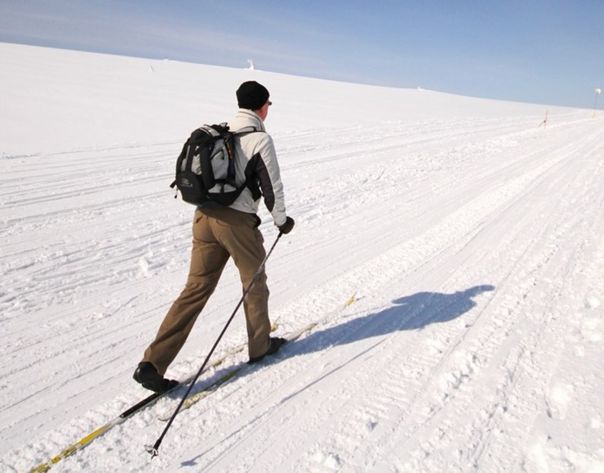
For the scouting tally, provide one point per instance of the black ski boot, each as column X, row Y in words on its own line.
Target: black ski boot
column 147, row 375
column 276, row 343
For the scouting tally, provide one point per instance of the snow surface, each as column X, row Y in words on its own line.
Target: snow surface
column 470, row 237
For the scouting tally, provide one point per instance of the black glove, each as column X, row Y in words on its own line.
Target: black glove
column 287, row 226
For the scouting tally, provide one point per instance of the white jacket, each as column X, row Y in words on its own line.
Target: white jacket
column 256, row 157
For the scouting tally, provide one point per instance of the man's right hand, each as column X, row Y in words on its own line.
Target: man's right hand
column 287, row 226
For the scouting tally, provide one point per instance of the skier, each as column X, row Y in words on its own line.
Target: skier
column 221, row 232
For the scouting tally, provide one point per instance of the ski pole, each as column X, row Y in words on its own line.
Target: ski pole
column 153, row 450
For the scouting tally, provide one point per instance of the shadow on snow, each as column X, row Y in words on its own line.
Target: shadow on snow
column 412, row 312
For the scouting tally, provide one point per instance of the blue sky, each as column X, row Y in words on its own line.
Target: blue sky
column 532, row 50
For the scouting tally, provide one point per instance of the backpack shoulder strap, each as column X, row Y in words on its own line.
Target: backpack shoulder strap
column 248, row 129
column 250, row 181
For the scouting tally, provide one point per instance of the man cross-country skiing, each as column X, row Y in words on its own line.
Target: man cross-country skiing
column 220, row 233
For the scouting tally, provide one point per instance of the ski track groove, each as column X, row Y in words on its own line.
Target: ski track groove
column 544, row 258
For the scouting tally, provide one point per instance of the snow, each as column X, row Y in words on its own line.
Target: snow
column 448, row 247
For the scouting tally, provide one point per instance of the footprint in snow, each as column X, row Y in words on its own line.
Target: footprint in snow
column 328, row 459
column 558, row 400
column 592, row 302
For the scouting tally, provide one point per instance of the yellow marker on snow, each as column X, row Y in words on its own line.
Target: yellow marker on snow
column 352, row 300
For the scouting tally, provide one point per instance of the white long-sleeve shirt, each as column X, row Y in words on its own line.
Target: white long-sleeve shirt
column 256, row 157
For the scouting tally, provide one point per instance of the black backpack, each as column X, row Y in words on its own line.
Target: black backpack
column 206, row 166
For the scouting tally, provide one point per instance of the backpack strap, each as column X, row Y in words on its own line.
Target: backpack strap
column 251, row 181
column 247, row 129
column 181, row 156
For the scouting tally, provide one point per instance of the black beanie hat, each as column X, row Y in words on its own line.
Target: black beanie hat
column 251, row 95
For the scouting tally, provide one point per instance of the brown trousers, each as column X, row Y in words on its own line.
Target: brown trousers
column 217, row 235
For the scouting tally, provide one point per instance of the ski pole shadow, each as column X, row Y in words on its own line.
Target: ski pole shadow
column 413, row 312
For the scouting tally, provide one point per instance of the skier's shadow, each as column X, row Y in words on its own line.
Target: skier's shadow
column 412, row 312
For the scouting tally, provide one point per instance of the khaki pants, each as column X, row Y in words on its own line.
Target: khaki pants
column 226, row 233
